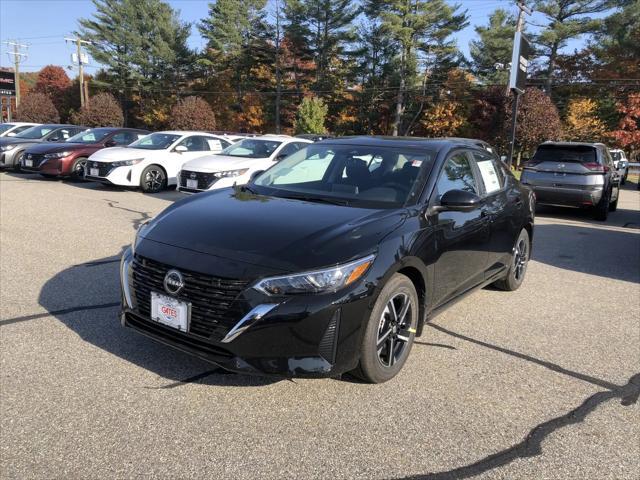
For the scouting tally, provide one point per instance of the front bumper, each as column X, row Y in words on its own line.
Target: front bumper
column 306, row 336
column 123, row 176
column 567, row 196
column 7, row 159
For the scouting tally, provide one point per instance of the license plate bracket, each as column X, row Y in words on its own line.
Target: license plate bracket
column 170, row 311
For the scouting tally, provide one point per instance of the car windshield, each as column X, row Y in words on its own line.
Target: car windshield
column 352, row 175
column 35, row 132
column 251, row 148
column 617, row 156
column 155, row 141
column 6, row 126
column 93, row 135
column 565, row 153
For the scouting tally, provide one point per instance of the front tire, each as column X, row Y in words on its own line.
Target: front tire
column 17, row 163
column 153, row 179
column 520, row 260
column 390, row 331
column 78, row 168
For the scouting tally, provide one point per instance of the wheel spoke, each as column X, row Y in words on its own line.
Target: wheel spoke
column 403, row 311
column 390, row 352
column 383, row 338
column 392, row 310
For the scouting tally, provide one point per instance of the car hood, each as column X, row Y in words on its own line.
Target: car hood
column 15, row 141
column 284, row 234
column 114, row 154
column 47, row 147
column 220, row 163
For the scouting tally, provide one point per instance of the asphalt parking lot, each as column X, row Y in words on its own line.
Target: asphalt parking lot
column 540, row 383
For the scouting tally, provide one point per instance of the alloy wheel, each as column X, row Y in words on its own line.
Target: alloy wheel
column 520, row 259
column 393, row 329
column 79, row 168
column 153, row 179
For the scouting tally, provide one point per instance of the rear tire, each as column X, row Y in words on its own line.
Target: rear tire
column 518, row 269
column 153, row 179
column 601, row 210
column 613, row 206
column 390, row 331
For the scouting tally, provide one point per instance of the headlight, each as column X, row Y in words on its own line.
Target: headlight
column 6, row 148
column 318, row 281
column 125, row 163
column 49, row 156
column 230, row 173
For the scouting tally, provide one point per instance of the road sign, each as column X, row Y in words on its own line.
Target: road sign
column 7, row 83
column 519, row 62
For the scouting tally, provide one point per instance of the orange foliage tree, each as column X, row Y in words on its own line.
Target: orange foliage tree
column 582, row 123
column 628, row 133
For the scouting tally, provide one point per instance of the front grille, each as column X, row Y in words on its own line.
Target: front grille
column 214, row 310
column 205, row 180
column 37, row 159
column 103, row 168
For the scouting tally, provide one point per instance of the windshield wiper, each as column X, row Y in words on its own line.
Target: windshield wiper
column 308, row 198
column 247, row 188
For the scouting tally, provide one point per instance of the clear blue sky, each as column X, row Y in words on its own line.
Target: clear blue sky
column 44, row 23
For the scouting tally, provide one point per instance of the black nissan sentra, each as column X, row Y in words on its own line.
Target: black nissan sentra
column 332, row 260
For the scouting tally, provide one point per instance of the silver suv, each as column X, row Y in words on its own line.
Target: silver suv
column 621, row 163
column 574, row 175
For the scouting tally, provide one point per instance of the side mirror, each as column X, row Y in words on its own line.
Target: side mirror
column 281, row 156
column 254, row 175
column 181, row 149
column 459, row 201
column 110, row 143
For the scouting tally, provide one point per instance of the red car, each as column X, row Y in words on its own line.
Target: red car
column 68, row 158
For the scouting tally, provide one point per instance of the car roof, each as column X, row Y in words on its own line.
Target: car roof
column 20, row 124
column 186, row 132
column 419, row 142
column 574, row 144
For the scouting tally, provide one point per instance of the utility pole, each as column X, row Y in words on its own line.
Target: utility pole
column 18, row 58
column 278, row 72
column 514, row 66
column 78, row 41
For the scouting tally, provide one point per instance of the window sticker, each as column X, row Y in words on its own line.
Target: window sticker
column 214, row 144
column 489, row 176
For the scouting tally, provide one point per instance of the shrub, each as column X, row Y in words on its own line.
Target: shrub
column 37, row 107
column 192, row 113
column 311, row 115
column 102, row 110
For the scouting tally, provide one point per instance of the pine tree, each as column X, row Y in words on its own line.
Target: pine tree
column 143, row 46
column 491, row 52
column 417, row 26
column 567, row 19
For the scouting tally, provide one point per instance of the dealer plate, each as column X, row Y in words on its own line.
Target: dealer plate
column 169, row 311
column 192, row 184
column 28, row 163
column 94, row 172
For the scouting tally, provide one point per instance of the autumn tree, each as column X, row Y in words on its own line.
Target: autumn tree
column 582, row 123
column 311, row 116
column 54, row 82
column 538, row 120
column 192, row 113
column 102, row 110
column 38, row 108
column 443, row 119
column 628, row 133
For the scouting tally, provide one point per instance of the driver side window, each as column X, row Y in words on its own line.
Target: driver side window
column 195, row 144
column 457, row 174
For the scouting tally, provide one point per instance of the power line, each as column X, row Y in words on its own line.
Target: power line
column 79, row 42
column 18, row 58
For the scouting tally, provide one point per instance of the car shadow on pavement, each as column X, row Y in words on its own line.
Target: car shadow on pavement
column 85, row 298
column 611, row 253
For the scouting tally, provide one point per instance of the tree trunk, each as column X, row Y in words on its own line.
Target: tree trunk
column 552, row 66
column 400, row 98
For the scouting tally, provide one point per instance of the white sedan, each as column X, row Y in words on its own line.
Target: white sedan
column 152, row 162
column 11, row 129
column 237, row 163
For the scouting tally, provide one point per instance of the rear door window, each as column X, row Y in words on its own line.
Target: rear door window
column 490, row 172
